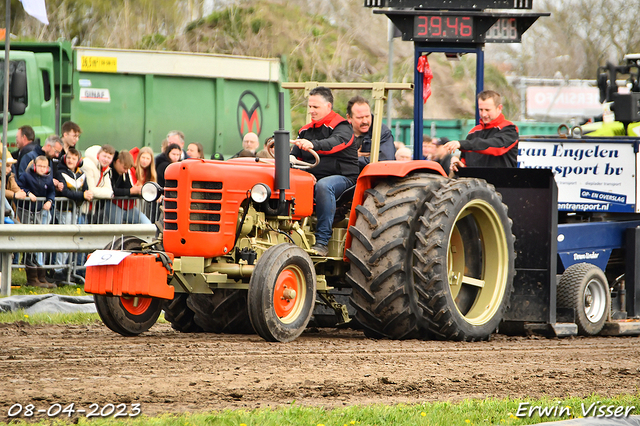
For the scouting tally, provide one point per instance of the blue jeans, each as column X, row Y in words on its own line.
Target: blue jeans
column 120, row 215
column 327, row 190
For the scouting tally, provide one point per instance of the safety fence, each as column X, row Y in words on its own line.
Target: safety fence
column 57, row 239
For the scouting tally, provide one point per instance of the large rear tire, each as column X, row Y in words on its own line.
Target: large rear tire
column 128, row 315
column 584, row 288
column 431, row 257
column 464, row 260
column 383, row 237
column 282, row 293
column 224, row 311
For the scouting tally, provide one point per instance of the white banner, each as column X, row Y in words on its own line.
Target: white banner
column 37, row 9
column 563, row 101
column 594, row 176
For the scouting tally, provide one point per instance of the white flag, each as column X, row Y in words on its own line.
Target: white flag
column 37, row 9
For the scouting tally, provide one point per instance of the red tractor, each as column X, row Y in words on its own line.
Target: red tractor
column 419, row 254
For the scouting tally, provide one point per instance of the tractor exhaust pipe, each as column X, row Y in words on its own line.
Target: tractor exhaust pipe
column 281, row 147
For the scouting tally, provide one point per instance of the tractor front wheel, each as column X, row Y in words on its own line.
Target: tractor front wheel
column 128, row 315
column 282, row 293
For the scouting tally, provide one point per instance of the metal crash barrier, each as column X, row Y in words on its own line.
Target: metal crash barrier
column 60, row 238
column 69, row 232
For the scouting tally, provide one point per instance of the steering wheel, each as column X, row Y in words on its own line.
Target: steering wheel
column 295, row 163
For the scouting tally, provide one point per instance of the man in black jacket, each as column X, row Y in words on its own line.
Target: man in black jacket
column 331, row 136
column 25, row 139
column 492, row 143
column 359, row 115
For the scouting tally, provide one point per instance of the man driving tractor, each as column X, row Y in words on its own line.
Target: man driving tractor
column 331, row 136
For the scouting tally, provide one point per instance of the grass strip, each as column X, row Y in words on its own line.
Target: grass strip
column 468, row 412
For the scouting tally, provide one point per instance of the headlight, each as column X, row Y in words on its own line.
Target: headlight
column 151, row 191
column 260, row 193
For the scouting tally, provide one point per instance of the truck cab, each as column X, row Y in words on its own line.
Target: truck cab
column 33, row 99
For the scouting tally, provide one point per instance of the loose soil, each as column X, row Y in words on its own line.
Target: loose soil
column 167, row 371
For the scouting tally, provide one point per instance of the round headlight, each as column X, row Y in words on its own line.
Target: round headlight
column 260, row 193
column 151, row 191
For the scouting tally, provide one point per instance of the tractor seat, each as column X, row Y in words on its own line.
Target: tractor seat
column 346, row 196
column 343, row 204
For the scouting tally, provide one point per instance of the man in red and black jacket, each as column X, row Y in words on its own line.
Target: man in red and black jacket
column 492, row 143
column 331, row 136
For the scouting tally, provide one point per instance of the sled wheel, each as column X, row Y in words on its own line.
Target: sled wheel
column 464, row 265
column 282, row 293
column 382, row 246
column 178, row 313
column 128, row 315
column 584, row 288
column 224, row 311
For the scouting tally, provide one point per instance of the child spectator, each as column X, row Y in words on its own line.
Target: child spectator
column 124, row 211
column 74, row 188
column 36, row 181
column 96, row 165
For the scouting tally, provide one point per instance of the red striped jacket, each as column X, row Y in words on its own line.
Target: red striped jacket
column 491, row 145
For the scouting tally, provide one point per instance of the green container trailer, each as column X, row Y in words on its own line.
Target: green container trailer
column 130, row 98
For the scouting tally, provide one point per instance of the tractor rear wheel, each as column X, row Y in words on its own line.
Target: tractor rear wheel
column 584, row 288
column 282, row 293
column 128, row 315
column 178, row 313
column 431, row 257
column 224, row 311
column 464, row 260
column 383, row 238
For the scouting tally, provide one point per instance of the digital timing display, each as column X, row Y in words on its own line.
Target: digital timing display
column 438, row 27
column 504, row 31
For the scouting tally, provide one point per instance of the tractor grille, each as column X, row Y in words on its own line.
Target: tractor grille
column 204, row 207
column 170, row 205
column 204, row 214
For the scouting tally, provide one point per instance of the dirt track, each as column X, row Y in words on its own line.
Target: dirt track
column 166, row 371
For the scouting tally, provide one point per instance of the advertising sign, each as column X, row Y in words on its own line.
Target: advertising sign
column 563, row 101
column 593, row 176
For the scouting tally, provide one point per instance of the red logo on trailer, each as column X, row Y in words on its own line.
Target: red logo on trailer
column 249, row 114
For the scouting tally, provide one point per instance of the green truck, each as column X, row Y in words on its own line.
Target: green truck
column 130, row 98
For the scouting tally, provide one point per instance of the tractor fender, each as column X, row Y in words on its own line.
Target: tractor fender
column 383, row 170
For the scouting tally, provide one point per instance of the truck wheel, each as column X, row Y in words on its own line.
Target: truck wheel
column 178, row 313
column 464, row 260
column 128, row 315
column 584, row 288
column 224, row 311
column 383, row 238
column 282, row 292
